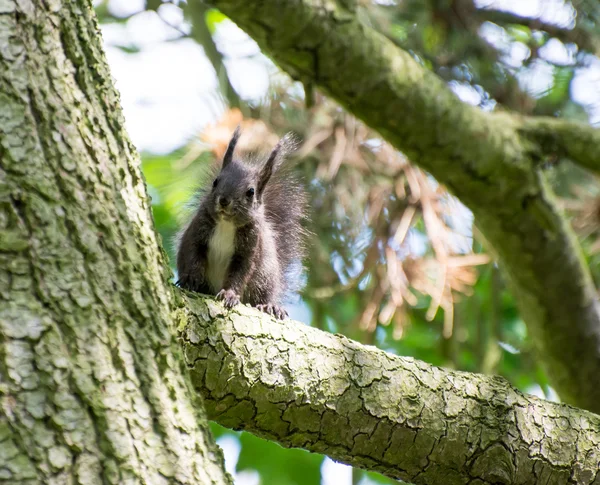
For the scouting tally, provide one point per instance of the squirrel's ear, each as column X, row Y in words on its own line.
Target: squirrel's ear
column 286, row 145
column 231, row 148
column 267, row 170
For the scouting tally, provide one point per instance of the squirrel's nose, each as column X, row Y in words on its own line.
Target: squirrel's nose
column 224, row 201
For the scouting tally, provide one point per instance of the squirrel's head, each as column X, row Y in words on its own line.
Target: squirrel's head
column 237, row 191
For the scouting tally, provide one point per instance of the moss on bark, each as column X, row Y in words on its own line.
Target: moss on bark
column 303, row 387
column 92, row 385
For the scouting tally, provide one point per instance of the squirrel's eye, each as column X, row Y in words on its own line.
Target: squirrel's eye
column 250, row 192
column 215, row 182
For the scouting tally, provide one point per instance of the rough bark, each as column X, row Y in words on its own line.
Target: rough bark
column 306, row 388
column 564, row 139
column 92, row 384
column 485, row 159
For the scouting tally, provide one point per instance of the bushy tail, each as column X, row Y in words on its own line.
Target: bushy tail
column 286, row 206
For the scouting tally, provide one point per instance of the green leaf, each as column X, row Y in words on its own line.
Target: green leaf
column 559, row 92
column 377, row 478
column 520, row 33
column 214, row 18
column 218, row 430
column 277, row 465
column 128, row 49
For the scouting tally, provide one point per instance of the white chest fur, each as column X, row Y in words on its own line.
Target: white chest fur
column 220, row 251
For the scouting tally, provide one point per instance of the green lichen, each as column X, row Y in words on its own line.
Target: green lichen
column 306, row 388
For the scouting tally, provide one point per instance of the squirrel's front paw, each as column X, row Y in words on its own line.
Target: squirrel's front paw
column 272, row 309
column 229, row 297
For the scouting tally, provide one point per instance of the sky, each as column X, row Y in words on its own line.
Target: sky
column 168, row 88
column 168, row 95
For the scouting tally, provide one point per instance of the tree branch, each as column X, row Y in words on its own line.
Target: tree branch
column 578, row 35
column 481, row 157
column 578, row 142
column 201, row 34
column 303, row 387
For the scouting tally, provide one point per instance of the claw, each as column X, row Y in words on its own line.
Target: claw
column 272, row 309
column 229, row 297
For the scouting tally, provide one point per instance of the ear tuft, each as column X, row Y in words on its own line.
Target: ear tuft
column 231, row 147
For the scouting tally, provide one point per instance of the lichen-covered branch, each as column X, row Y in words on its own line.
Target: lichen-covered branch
column 482, row 157
column 560, row 138
column 303, row 387
column 92, row 385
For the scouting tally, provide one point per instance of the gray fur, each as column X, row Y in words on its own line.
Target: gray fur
column 242, row 246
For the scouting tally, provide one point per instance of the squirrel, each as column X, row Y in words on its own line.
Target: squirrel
column 246, row 239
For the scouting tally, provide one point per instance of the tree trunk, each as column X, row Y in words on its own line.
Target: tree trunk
column 306, row 388
column 92, row 388
column 490, row 161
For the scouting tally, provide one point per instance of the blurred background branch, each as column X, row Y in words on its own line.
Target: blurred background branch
column 197, row 12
